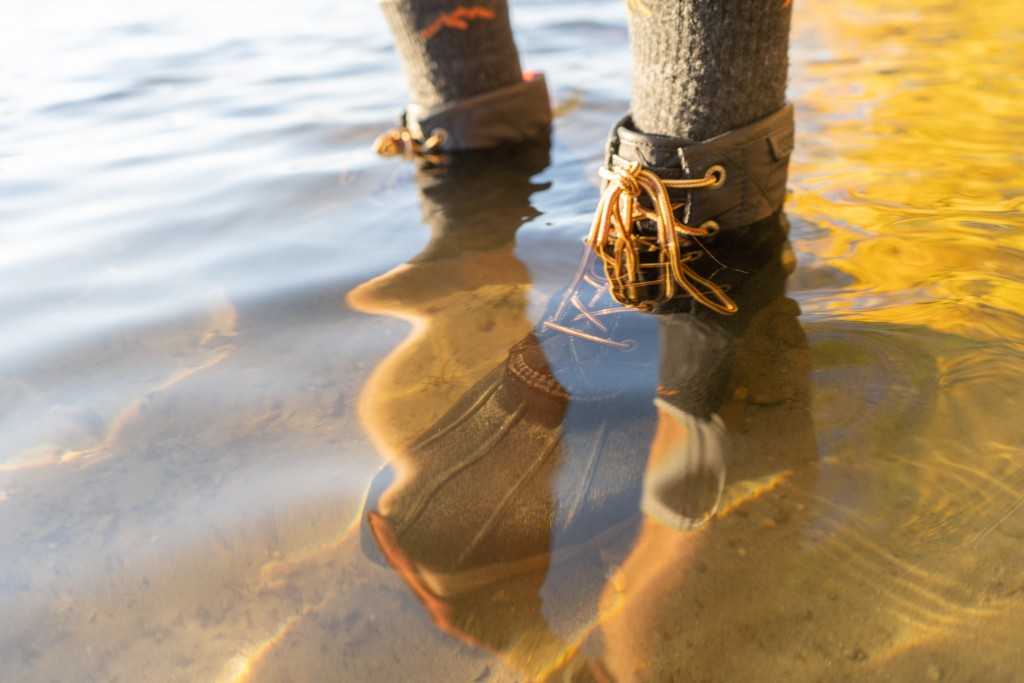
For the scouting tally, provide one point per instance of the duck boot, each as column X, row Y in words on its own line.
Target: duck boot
column 680, row 222
column 547, row 452
column 505, row 116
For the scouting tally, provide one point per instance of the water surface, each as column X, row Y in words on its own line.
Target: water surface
column 220, row 324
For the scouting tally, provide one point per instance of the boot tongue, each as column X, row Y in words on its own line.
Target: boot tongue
column 657, row 153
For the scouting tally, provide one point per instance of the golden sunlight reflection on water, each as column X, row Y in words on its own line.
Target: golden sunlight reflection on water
column 181, row 493
column 911, row 162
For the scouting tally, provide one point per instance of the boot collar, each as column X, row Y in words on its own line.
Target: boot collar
column 755, row 159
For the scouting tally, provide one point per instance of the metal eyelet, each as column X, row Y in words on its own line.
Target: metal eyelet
column 711, row 226
column 718, row 172
column 438, row 137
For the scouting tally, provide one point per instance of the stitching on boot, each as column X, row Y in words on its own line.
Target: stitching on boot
column 518, row 368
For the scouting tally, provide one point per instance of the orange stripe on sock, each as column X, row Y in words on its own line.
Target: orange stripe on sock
column 786, row 3
column 458, row 19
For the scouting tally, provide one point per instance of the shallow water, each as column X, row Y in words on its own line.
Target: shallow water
column 213, row 343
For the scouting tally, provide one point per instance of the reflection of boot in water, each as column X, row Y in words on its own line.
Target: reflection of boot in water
column 465, row 293
column 547, row 452
column 541, row 456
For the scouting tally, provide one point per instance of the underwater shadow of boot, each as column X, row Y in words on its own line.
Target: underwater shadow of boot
column 544, row 459
column 464, row 294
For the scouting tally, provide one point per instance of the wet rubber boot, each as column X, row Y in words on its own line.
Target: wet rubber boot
column 548, row 450
column 679, row 222
column 502, row 117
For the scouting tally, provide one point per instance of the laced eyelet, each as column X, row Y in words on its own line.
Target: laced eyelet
column 620, row 238
column 393, row 143
column 711, row 226
column 718, row 173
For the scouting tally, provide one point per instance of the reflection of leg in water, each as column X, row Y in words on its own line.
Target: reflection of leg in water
column 541, row 457
column 464, row 78
column 465, row 293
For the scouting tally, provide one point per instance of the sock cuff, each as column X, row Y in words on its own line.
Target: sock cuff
column 702, row 68
column 452, row 50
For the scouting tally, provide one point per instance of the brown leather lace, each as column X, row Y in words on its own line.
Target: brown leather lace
column 614, row 240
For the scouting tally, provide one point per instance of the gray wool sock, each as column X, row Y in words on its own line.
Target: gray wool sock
column 704, row 67
column 453, row 50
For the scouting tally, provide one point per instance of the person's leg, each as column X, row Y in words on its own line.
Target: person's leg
column 451, row 51
column 466, row 87
column 702, row 160
column 704, row 67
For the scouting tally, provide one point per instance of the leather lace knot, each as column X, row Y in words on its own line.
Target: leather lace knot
column 627, row 251
column 401, row 142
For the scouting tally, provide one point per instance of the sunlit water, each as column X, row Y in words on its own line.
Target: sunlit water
column 206, row 358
